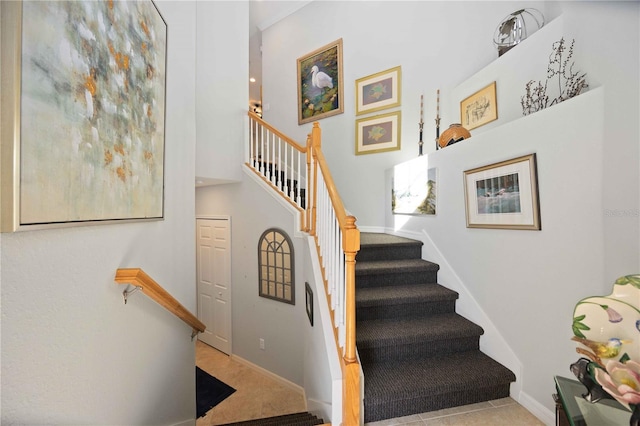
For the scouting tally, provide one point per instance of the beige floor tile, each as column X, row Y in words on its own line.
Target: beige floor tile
column 256, row 395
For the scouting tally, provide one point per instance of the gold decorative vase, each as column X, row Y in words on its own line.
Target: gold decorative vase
column 455, row 133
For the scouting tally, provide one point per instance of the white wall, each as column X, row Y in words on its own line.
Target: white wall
column 438, row 45
column 72, row 352
column 526, row 282
column 222, row 81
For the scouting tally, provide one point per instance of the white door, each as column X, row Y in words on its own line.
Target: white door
column 213, row 263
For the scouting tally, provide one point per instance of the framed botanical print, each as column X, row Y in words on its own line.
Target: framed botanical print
column 378, row 91
column 379, row 133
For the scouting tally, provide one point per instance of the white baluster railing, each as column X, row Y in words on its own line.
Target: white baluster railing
column 302, row 176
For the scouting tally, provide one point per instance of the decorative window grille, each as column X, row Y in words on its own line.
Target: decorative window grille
column 275, row 266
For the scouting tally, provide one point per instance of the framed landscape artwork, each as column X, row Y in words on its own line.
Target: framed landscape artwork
column 320, row 84
column 379, row 133
column 83, row 113
column 378, row 91
column 479, row 108
column 503, row 195
column 414, row 188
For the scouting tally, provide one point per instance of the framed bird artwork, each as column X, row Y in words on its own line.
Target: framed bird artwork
column 320, row 84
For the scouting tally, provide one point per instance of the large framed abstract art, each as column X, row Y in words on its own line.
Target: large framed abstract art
column 83, row 113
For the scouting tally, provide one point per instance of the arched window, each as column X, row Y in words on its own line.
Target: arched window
column 275, row 266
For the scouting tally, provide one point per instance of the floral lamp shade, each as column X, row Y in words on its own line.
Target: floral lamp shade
column 607, row 332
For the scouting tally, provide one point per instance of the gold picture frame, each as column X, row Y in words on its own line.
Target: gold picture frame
column 379, row 91
column 82, row 130
column 379, row 133
column 480, row 108
column 503, row 195
column 320, row 83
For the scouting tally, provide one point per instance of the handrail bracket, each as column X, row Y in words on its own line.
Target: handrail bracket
column 126, row 293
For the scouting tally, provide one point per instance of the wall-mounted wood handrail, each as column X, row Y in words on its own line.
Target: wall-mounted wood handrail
column 138, row 278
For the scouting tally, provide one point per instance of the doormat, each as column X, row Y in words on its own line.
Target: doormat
column 209, row 392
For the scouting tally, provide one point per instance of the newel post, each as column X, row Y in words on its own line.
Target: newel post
column 351, row 379
column 314, row 143
column 311, row 189
column 351, row 245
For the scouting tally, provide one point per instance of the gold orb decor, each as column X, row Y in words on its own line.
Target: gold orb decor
column 455, row 133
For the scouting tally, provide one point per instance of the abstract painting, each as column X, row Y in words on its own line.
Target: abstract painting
column 92, row 112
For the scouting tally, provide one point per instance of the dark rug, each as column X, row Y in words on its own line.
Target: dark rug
column 209, row 392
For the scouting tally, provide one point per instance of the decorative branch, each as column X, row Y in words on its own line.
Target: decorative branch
column 536, row 97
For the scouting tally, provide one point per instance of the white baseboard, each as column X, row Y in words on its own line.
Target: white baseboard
column 281, row 380
column 540, row 411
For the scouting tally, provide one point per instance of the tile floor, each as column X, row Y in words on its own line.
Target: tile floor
column 258, row 396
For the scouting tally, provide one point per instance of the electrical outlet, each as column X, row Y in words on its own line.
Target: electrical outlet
column 262, row 343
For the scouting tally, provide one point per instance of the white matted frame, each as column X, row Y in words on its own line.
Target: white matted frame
column 379, row 133
column 379, row 91
column 83, row 113
column 503, row 195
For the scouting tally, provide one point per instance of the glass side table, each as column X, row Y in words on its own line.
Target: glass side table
column 580, row 412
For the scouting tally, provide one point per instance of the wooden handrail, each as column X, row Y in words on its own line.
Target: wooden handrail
column 275, row 131
column 350, row 247
column 138, row 278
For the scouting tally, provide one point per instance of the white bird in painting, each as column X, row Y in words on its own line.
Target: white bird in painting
column 320, row 79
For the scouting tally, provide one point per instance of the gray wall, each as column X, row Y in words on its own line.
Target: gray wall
column 72, row 352
column 253, row 210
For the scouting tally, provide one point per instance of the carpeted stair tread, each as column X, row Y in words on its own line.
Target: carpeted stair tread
column 401, row 294
column 296, row 419
column 372, row 239
column 378, row 333
column 435, row 375
column 418, row 386
column 393, row 266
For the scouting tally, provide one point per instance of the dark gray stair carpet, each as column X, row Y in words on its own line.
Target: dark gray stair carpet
column 385, row 340
column 416, row 386
column 395, row 272
column 296, row 419
column 417, row 354
column 378, row 247
column 404, row 301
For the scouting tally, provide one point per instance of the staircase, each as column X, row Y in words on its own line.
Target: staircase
column 297, row 419
column 417, row 354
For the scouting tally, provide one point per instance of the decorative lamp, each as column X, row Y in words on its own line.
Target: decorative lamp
column 455, row 133
column 516, row 27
